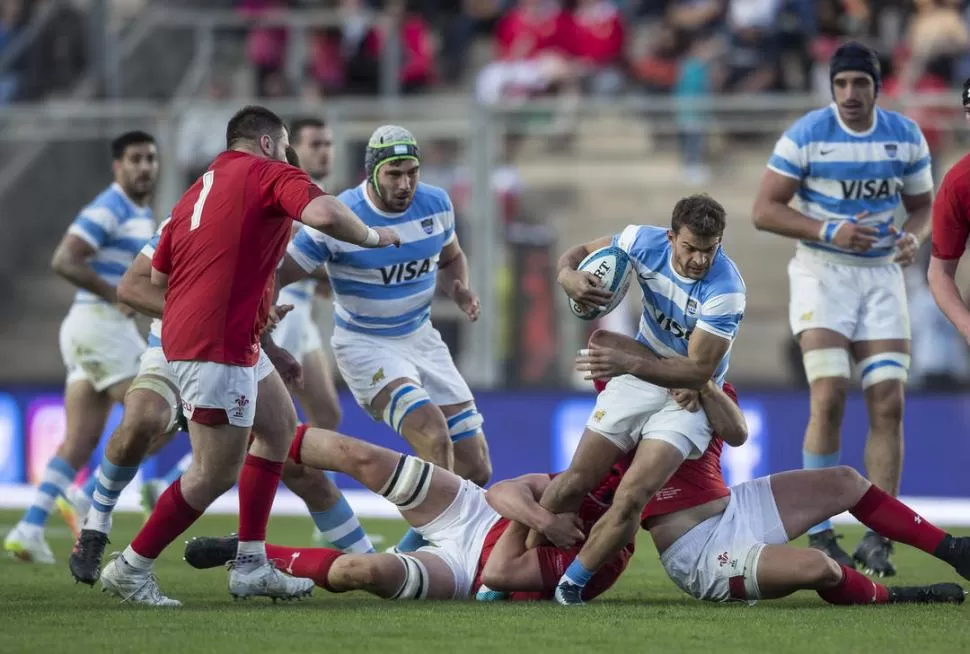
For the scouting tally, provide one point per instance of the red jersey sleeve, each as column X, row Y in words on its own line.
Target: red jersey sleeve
column 287, row 188
column 951, row 226
column 162, row 259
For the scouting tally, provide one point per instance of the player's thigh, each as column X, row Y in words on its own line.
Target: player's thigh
column 783, row 569
column 275, row 418
column 98, row 344
column 369, row 365
column 884, row 314
column 653, row 464
column 822, row 295
column 318, row 397
column 807, row 497
column 217, row 452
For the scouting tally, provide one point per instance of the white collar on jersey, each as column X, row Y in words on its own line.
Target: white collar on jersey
column 852, row 132
column 117, row 187
column 385, row 214
column 681, row 278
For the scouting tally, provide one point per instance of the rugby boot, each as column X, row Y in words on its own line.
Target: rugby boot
column 932, row 594
column 873, row 554
column 206, row 552
column 85, row 561
column 827, row 541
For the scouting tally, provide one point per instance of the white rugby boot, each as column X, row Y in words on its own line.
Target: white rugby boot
column 131, row 585
column 267, row 581
column 27, row 543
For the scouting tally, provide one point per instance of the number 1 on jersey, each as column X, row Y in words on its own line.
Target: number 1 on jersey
column 200, row 203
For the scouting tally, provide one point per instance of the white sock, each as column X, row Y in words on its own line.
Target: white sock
column 136, row 560
column 250, row 555
column 98, row 521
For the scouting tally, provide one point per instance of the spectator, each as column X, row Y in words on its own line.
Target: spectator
column 696, row 18
column 417, row 44
column 598, row 46
column 265, row 45
column 937, row 35
column 752, row 60
column 694, row 84
column 658, row 68
column 531, row 46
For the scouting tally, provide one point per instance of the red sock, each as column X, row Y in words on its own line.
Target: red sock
column 257, row 490
column 297, row 443
column 307, row 562
column 855, row 588
column 889, row 517
column 171, row 517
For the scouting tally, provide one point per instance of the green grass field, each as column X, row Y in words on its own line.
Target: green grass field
column 42, row 610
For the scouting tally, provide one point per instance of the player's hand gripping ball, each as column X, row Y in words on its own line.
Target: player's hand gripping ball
column 598, row 285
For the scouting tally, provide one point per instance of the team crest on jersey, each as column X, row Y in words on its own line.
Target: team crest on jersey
column 427, row 225
column 378, row 377
column 891, row 149
column 691, row 307
column 598, row 415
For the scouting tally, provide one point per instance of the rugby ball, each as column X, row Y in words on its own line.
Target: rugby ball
column 612, row 267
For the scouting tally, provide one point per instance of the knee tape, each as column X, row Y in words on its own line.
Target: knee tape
column 883, row 367
column 161, row 388
column 827, row 362
column 404, row 399
column 409, row 485
column 416, row 579
column 465, row 424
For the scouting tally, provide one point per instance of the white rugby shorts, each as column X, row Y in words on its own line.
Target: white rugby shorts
column 100, row 345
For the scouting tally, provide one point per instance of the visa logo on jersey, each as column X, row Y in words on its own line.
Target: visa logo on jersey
column 405, row 272
column 868, row 189
column 670, row 325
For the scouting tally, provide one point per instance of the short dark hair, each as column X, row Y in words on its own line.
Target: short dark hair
column 299, row 124
column 292, row 157
column 701, row 214
column 250, row 123
column 124, row 141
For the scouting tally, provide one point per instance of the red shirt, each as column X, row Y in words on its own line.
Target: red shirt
column 522, row 34
column 221, row 249
column 554, row 561
column 951, row 212
column 598, row 34
column 696, row 481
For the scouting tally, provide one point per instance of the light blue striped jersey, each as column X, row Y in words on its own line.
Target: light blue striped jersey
column 673, row 305
column 155, row 329
column 117, row 229
column 844, row 173
column 383, row 291
column 300, row 293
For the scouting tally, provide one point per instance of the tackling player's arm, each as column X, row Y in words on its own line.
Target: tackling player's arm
column 137, row 290
column 583, row 287
column 71, row 261
column 951, row 228
column 724, row 414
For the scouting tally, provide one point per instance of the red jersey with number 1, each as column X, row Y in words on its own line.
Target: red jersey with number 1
column 951, row 212
column 220, row 251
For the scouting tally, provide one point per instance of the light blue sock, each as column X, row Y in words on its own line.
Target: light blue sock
column 412, row 541
column 577, row 574
column 89, row 485
column 340, row 526
column 177, row 470
column 57, row 477
column 111, row 480
column 812, row 461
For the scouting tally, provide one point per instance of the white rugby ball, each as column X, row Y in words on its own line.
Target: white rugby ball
column 612, row 267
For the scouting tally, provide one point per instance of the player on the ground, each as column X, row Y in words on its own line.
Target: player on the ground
column 217, row 259
column 694, row 300
column 390, row 355
column 99, row 339
column 152, row 416
column 718, row 543
column 477, row 537
column 851, row 166
column 951, row 228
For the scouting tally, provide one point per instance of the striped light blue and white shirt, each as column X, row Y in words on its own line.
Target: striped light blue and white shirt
column 117, row 229
column 148, row 250
column 383, row 291
column 300, row 294
column 674, row 305
column 844, row 173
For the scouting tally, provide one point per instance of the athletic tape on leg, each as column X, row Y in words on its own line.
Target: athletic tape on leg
column 883, row 367
column 416, row 579
column 465, row 424
column 404, row 399
column 409, row 484
column 827, row 362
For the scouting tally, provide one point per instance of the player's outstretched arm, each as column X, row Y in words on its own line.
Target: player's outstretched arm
column 724, row 414
column 70, row 261
column 583, row 288
column 137, row 291
column 453, row 279
column 332, row 217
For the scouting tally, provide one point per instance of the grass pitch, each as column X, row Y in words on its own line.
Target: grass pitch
column 42, row 610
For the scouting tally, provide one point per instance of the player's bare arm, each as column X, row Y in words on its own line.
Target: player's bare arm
column 724, row 414
column 71, row 261
column 137, row 291
column 942, row 282
column 453, row 279
column 582, row 287
column 513, row 565
column 332, row 217
column 518, row 500
column 772, row 213
column 917, row 227
column 704, row 352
